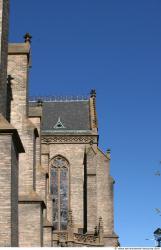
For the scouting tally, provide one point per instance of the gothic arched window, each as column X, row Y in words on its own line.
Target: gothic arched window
column 59, row 188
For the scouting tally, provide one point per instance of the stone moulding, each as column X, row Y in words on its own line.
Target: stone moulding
column 77, row 139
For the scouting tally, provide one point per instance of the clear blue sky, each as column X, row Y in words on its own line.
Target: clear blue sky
column 115, row 47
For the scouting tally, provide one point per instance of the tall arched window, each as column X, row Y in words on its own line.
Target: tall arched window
column 59, row 188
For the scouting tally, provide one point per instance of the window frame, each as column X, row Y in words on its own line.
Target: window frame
column 67, row 166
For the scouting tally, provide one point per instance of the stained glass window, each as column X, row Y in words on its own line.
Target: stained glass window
column 59, row 191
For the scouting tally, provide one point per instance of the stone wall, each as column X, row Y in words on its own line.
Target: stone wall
column 14, row 195
column 4, row 16
column 104, row 198
column 30, row 225
column 18, row 69
column 91, row 190
column 8, row 192
column 74, row 153
column 47, row 242
column 30, row 204
column 91, row 186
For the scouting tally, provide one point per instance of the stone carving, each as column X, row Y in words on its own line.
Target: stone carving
column 85, row 238
column 68, row 139
column 62, row 236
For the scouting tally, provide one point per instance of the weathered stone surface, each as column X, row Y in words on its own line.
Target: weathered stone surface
column 8, row 191
column 75, row 155
column 30, row 224
column 4, row 21
column 47, row 236
column 91, row 190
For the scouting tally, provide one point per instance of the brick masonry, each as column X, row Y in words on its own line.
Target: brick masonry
column 8, row 192
column 30, row 205
column 4, row 20
column 30, row 225
column 75, row 155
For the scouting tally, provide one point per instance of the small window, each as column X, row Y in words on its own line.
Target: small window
column 59, row 124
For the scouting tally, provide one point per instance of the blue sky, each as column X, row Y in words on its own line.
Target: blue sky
column 115, row 47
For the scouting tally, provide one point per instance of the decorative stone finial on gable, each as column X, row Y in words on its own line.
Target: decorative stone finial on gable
column 27, row 38
column 93, row 93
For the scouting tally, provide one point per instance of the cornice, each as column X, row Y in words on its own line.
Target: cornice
column 69, row 139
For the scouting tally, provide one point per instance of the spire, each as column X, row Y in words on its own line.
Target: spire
column 93, row 115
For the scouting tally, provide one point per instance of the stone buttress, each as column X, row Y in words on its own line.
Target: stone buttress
column 10, row 147
column 31, row 205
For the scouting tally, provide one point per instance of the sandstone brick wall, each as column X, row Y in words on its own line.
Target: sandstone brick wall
column 8, row 197
column 37, row 122
column 47, row 237
column 30, row 210
column 49, row 212
column 14, row 195
column 91, row 190
column 104, row 198
column 45, row 164
column 74, row 153
column 26, row 171
column 45, row 156
column 18, row 69
column 5, row 191
column 4, row 16
column 40, row 175
column 30, row 225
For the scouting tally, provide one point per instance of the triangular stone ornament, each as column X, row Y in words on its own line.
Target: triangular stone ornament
column 59, row 124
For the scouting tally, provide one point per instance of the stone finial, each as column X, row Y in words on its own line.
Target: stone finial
column 39, row 102
column 27, row 38
column 93, row 93
column 108, row 153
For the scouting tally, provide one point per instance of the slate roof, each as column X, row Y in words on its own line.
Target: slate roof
column 73, row 115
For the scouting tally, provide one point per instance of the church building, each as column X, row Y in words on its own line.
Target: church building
column 55, row 183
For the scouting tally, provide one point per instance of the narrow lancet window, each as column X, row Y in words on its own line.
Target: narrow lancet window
column 59, row 188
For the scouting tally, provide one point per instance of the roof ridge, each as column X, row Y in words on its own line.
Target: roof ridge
column 58, row 98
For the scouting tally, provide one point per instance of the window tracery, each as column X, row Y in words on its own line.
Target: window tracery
column 59, row 188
